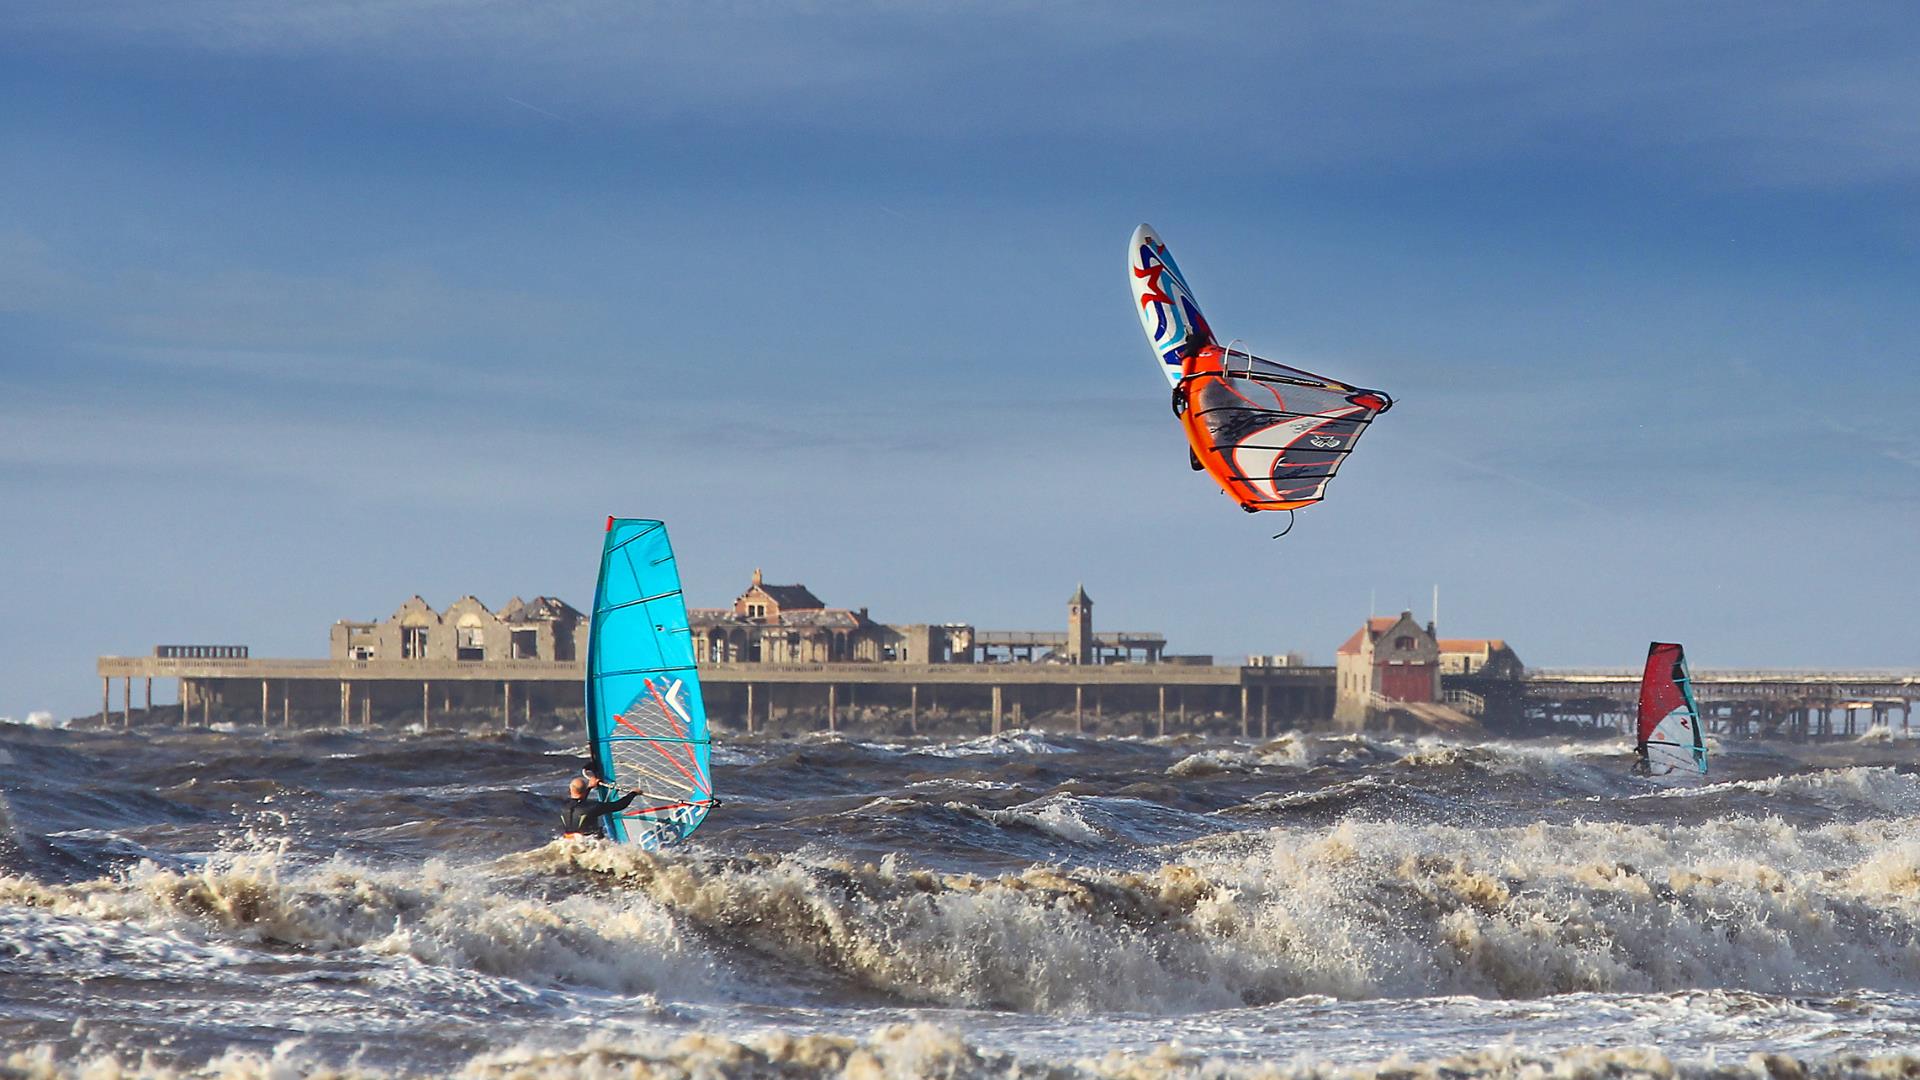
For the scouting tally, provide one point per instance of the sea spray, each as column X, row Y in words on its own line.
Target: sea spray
column 438, row 914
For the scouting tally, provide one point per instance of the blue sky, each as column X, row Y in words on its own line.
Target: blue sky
column 306, row 308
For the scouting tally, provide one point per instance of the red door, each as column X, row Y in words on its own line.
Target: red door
column 1407, row 682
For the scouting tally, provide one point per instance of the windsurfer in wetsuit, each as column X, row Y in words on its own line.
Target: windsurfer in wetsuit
column 1641, row 765
column 582, row 815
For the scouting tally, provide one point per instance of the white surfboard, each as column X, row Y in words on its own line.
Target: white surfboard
column 1168, row 313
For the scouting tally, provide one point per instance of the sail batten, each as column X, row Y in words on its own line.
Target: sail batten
column 646, row 719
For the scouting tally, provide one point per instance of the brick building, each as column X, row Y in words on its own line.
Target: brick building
column 1391, row 658
column 787, row 624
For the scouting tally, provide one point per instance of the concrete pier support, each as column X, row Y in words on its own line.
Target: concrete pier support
column 1265, row 732
column 1246, row 727
column 106, row 699
column 126, row 702
column 506, row 705
column 1163, row 710
column 346, row 703
column 265, row 708
column 996, row 710
column 286, row 705
column 426, row 705
column 149, row 709
column 1078, row 724
column 749, row 708
column 913, row 709
column 833, row 707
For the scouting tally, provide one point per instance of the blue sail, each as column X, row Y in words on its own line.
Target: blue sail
column 646, row 722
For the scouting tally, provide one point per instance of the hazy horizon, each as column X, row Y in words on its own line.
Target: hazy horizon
column 306, row 310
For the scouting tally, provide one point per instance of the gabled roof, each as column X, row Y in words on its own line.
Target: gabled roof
column 1486, row 645
column 1376, row 626
column 791, row 597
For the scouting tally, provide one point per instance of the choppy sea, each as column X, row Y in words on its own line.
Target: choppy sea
column 234, row 903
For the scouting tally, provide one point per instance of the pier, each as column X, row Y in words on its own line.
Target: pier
column 1742, row 704
column 751, row 696
column 779, row 659
column 740, row 696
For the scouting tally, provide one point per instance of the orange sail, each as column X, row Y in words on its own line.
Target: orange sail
column 1270, row 435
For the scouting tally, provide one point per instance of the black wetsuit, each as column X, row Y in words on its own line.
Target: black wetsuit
column 582, row 816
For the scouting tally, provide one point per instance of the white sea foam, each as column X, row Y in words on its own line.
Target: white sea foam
column 1874, row 789
column 734, row 754
column 439, row 914
column 1014, row 742
column 913, row 1051
column 1055, row 815
column 1355, row 911
column 1213, row 763
column 961, row 782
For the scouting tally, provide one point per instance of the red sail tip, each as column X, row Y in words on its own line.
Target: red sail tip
column 609, row 522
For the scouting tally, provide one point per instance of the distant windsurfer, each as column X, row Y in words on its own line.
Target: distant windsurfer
column 582, row 815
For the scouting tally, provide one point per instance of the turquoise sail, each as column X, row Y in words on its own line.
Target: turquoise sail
column 646, row 722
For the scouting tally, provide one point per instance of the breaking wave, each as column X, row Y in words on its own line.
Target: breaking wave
column 1879, row 790
column 1357, row 911
column 436, row 914
column 1354, row 911
column 914, row 1050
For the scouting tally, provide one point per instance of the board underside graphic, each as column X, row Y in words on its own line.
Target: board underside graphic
column 1270, row 434
column 646, row 722
column 1669, row 721
column 1166, row 307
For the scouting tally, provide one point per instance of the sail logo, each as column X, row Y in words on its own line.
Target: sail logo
column 1324, row 442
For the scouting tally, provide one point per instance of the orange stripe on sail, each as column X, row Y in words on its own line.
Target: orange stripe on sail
column 673, row 722
column 671, row 760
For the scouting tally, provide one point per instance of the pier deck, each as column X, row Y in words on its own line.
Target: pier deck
column 740, row 693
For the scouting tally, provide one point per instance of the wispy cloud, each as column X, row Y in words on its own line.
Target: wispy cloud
column 1779, row 94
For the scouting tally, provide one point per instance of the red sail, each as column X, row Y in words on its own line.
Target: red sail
column 1660, row 686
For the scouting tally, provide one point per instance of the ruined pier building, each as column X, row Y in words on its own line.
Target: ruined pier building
column 777, row 652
